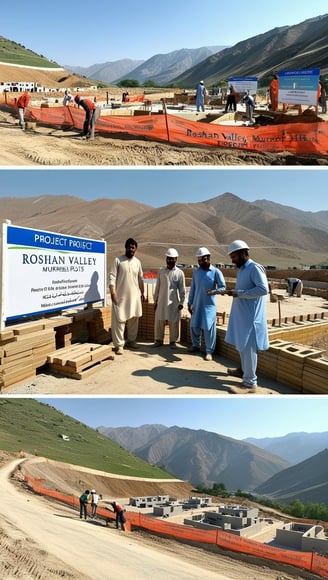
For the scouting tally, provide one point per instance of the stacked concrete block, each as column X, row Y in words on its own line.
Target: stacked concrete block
column 146, row 322
column 291, row 364
column 268, row 359
column 315, row 376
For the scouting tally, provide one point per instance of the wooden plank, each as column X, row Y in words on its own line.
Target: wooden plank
column 72, row 373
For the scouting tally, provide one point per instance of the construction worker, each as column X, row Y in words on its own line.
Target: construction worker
column 169, row 296
column 274, row 85
column 22, row 103
column 250, row 105
column 200, row 96
column 247, row 326
column 89, row 108
column 231, row 100
column 294, row 285
column 120, row 517
column 205, row 283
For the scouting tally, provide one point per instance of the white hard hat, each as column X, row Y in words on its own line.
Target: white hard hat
column 237, row 245
column 202, row 252
column 171, row 253
column 93, row 491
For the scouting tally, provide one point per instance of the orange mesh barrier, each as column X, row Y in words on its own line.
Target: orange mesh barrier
column 182, row 532
column 247, row 546
column 135, row 98
column 297, row 138
column 306, row 560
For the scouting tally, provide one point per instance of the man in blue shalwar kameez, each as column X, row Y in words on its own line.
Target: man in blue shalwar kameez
column 247, row 327
column 206, row 282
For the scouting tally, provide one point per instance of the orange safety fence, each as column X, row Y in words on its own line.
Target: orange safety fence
column 306, row 560
column 297, row 138
column 135, row 98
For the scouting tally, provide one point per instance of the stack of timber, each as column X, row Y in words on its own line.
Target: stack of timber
column 23, row 349
column 79, row 360
column 99, row 326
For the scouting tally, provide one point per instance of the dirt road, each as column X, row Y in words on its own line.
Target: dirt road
column 42, row 540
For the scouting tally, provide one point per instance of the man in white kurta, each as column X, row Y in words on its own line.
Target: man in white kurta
column 127, row 292
column 169, row 296
column 247, row 327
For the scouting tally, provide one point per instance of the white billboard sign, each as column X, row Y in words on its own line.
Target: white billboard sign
column 244, row 84
column 299, row 87
column 46, row 272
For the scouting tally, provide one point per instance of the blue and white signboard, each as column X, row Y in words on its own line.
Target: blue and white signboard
column 244, row 84
column 299, row 87
column 46, row 271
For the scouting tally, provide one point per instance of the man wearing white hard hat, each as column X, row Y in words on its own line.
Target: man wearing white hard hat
column 169, row 297
column 206, row 282
column 247, row 326
column 94, row 502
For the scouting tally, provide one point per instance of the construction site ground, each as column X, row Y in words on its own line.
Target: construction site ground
column 50, row 146
column 36, row 533
column 163, row 371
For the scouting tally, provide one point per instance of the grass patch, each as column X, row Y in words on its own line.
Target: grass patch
column 16, row 54
column 36, row 428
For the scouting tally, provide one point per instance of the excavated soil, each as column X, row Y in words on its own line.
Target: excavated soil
column 47, row 146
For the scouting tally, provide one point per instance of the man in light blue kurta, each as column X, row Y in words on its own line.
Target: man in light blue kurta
column 206, row 282
column 247, row 327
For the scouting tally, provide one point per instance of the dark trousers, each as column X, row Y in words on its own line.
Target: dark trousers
column 120, row 519
column 87, row 125
column 83, row 510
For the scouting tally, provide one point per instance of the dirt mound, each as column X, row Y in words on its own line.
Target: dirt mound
column 47, row 78
column 72, row 479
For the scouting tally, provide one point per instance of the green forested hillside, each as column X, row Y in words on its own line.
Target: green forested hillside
column 14, row 53
column 36, row 428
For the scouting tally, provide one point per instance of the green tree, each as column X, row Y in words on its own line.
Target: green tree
column 126, row 83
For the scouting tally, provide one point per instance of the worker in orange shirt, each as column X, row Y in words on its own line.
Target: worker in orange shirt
column 89, row 108
column 274, row 93
column 22, row 103
column 120, row 517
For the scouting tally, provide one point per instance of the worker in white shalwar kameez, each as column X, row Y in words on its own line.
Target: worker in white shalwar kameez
column 127, row 292
column 247, row 326
column 206, row 282
column 169, row 297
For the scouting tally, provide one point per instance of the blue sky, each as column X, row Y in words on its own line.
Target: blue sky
column 304, row 189
column 238, row 418
column 82, row 33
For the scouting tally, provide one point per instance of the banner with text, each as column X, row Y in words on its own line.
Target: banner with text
column 299, row 87
column 244, row 84
column 46, row 271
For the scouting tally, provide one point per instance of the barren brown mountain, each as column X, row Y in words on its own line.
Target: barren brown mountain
column 213, row 223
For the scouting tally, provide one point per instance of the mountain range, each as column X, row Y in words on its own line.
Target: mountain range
column 293, row 447
column 200, row 456
column 307, row 481
column 279, row 234
column 160, row 452
column 301, row 46
column 160, row 68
